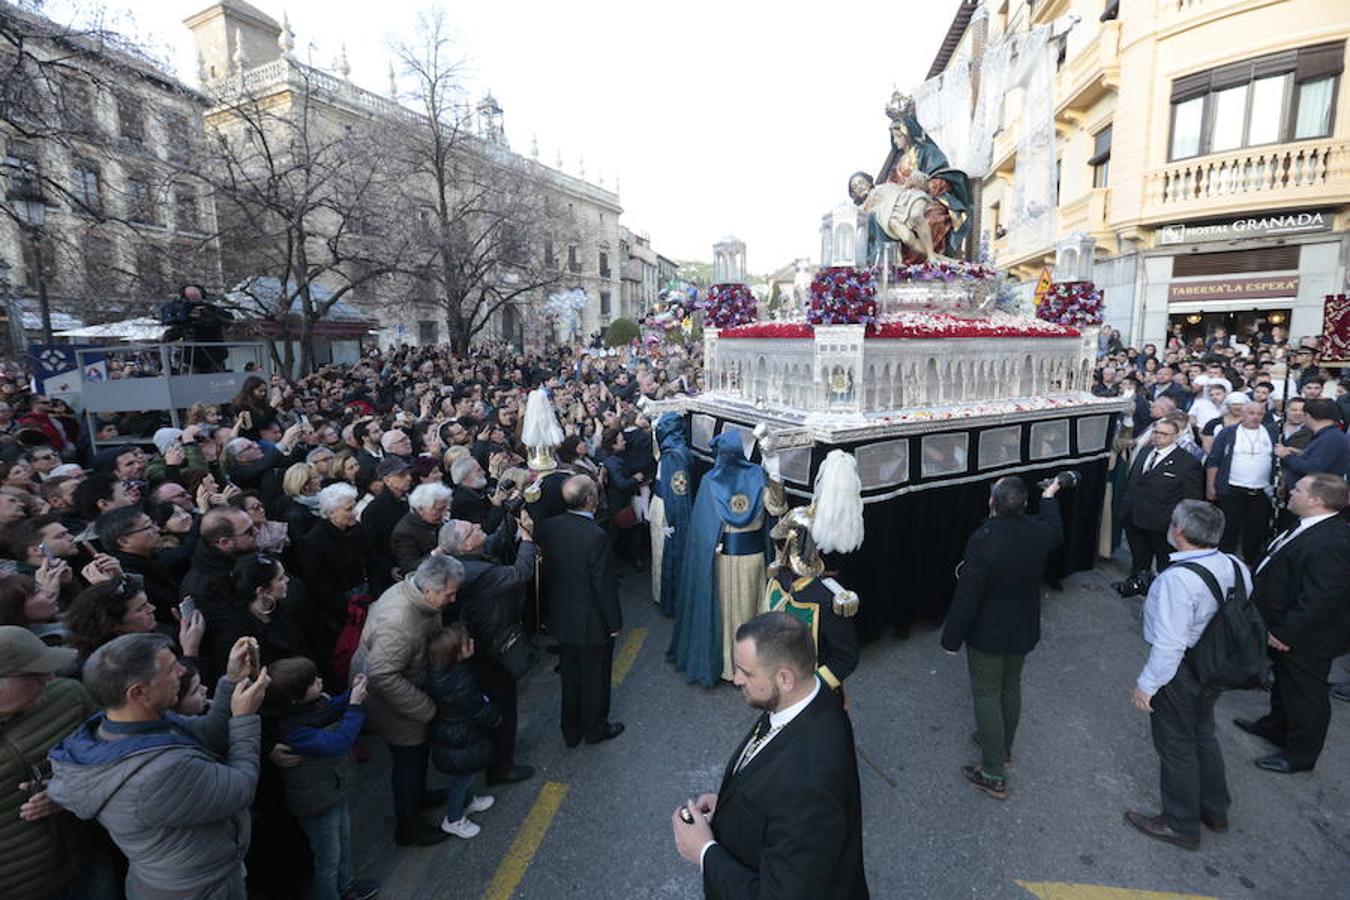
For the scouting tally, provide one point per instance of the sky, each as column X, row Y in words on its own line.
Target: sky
column 740, row 117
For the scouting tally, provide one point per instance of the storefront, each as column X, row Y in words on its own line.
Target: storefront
column 1246, row 275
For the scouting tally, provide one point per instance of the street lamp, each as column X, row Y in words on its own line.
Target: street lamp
column 33, row 213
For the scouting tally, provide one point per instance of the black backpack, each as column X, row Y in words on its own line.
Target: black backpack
column 1231, row 653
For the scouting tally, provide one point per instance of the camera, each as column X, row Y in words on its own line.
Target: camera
column 513, row 505
column 1067, row 479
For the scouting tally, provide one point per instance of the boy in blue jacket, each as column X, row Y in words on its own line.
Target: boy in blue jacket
column 322, row 731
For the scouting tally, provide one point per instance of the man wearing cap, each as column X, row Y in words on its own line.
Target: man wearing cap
column 41, row 848
column 379, row 518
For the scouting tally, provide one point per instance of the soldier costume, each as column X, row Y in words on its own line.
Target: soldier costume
column 796, row 584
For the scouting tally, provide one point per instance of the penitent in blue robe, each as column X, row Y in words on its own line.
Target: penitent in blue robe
column 674, row 485
column 696, row 643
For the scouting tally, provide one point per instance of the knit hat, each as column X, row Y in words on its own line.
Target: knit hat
column 166, row 436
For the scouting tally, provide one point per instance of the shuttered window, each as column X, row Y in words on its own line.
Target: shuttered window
column 1232, row 262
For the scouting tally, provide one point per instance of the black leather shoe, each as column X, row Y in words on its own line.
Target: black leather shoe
column 1154, row 827
column 1278, row 762
column 517, row 773
column 1217, row 824
column 1251, row 727
column 435, row 798
column 419, row 835
column 609, row 732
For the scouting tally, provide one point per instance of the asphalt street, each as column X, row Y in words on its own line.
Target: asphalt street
column 594, row 822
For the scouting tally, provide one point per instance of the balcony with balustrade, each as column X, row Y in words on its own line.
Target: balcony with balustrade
column 1292, row 175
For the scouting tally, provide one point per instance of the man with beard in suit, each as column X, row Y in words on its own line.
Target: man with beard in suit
column 787, row 822
column 1300, row 588
column 1159, row 480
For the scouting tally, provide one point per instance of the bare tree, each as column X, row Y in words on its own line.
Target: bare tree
column 306, row 203
column 53, row 78
column 483, row 213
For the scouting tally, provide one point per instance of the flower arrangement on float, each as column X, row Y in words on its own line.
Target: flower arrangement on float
column 1071, row 303
column 917, row 325
column 843, row 295
column 728, row 305
column 943, row 270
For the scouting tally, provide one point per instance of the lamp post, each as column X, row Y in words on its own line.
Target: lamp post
column 33, row 214
column 12, row 310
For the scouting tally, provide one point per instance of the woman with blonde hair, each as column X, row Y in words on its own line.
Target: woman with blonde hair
column 299, row 508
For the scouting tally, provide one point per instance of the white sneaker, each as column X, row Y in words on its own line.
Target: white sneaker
column 481, row 803
column 461, row 829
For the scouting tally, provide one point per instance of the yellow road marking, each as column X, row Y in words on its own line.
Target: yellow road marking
column 526, row 844
column 1060, row 890
column 627, row 653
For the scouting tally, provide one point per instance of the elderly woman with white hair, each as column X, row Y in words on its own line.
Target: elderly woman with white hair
column 333, row 563
column 415, row 535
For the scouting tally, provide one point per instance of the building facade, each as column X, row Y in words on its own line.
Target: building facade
column 102, row 212
column 1203, row 144
column 245, row 53
column 641, row 275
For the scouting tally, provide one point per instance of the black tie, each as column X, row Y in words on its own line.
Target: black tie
column 757, row 735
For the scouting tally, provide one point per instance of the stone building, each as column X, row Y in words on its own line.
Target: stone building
column 102, row 211
column 245, row 53
column 641, row 275
column 1203, row 146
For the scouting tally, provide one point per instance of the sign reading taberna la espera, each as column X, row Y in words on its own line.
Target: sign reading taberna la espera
column 1307, row 222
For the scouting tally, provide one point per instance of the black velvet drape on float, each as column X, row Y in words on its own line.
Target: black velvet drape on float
column 905, row 572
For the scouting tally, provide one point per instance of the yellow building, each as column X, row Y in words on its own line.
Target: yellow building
column 1203, row 144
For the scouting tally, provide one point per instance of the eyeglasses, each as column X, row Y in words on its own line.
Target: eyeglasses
column 145, row 527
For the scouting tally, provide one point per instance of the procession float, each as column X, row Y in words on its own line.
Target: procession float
column 905, row 355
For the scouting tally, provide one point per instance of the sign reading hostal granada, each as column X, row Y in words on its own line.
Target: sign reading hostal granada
column 1246, row 227
column 1233, row 288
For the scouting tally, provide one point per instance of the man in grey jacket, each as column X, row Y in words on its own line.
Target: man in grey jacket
column 173, row 791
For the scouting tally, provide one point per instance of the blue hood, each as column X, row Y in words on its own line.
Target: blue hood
column 733, row 474
column 83, row 746
column 670, row 432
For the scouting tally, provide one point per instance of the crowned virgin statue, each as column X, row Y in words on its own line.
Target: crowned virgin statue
column 917, row 199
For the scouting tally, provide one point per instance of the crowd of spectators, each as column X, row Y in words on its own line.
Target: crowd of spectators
column 188, row 643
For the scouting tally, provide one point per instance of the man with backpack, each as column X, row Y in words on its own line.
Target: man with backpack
column 1189, row 665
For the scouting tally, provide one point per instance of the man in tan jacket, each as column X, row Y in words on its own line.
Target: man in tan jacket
column 393, row 655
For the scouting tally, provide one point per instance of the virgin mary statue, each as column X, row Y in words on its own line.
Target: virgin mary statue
column 912, row 151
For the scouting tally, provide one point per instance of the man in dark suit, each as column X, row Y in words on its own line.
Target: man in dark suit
column 1164, row 386
column 1300, row 588
column 1159, row 480
column 379, row 518
column 584, row 613
column 787, row 821
column 996, row 613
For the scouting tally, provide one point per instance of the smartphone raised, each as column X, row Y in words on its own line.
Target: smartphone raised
column 186, row 607
column 46, row 553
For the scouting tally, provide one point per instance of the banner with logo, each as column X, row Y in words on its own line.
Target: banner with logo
column 56, row 369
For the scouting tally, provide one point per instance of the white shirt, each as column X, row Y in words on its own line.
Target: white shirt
column 1159, row 455
column 1303, row 525
column 1252, row 465
column 778, row 720
column 1178, row 608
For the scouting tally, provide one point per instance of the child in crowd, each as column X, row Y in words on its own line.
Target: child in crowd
column 460, row 745
column 192, row 700
column 322, row 731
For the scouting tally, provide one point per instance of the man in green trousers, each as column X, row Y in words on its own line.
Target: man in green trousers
column 996, row 613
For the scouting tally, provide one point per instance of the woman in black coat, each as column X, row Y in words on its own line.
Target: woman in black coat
column 333, row 562
column 266, row 606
